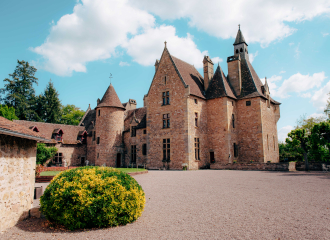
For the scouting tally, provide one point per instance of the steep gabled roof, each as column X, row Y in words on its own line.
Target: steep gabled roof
column 46, row 130
column 139, row 114
column 10, row 128
column 219, row 86
column 89, row 120
column 239, row 38
column 110, row 99
column 190, row 76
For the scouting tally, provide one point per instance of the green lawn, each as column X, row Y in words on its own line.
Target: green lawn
column 125, row 170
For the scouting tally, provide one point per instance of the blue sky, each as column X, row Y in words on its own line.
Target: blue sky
column 78, row 44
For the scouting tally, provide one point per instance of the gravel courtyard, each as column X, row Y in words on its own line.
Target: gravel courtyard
column 211, row 204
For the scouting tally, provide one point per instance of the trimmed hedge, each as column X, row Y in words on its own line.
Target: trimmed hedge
column 88, row 197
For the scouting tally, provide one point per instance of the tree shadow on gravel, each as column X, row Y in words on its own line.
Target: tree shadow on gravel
column 323, row 175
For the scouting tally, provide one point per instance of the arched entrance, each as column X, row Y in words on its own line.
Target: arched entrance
column 118, row 162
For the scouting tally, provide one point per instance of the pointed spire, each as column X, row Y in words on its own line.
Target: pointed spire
column 239, row 37
column 110, row 99
column 165, row 44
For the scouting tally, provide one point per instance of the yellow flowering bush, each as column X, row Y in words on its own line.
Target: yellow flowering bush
column 90, row 197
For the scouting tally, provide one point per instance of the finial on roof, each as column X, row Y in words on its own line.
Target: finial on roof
column 239, row 26
column 110, row 78
column 165, row 44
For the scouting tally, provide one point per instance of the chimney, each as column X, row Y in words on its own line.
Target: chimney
column 98, row 101
column 208, row 71
column 234, row 73
column 156, row 65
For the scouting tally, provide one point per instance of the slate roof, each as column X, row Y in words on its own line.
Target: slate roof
column 110, row 99
column 70, row 132
column 140, row 116
column 89, row 120
column 239, row 38
column 8, row 127
column 190, row 76
column 219, row 86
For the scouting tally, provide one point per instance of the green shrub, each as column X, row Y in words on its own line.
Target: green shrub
column 44, row 153
column 89, row 197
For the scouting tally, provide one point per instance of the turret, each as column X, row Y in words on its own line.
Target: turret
column 109, row 126
column 240, row 46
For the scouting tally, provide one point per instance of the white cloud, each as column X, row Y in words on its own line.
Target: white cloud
column 92, row 32
column 325, row 34
column 306, row 95
column 281, row 72
column 320, row 97
column 291, row 44
column 261, row 20
column 252, row 56
column 271, row 83
column 316, row 115
column 216, row 60
column 297, row 51
column 146, row 47
column 283, row 133
column 299, row 83
column 122, row 64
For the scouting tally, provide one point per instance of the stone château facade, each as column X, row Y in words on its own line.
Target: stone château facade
column 187, row 119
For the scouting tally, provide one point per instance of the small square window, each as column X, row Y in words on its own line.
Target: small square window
column 195, row 101
column 144, row 131
column 248, row 103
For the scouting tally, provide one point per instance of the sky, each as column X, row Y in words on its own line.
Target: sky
column 78, row 44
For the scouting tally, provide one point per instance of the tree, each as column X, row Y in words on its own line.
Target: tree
column 44, row 153
column 19, row 92
column 288, row 152
column 298, row 139
column 48, row 105
column 320, row 141
column 7, row 112
column 71, row 115
column 327, row 108
column 308, row 123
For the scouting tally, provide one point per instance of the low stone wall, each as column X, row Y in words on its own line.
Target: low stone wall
column 251, row 166
column 313, row 166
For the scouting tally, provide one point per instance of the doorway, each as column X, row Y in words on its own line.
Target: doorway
column 118, row 162
column 82, row 161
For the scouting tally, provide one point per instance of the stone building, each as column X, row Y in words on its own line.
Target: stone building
column 17, row 171
column 188, row 119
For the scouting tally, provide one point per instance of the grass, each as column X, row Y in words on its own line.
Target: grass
column 125, row 170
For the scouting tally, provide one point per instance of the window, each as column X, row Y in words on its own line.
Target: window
column 144, row 149
column 94, row 135
column 241, row 50
column 165, row 80
column 58, row 158
column 196, row 119
column 98, row 155
column 197, row 149
column 212, row 160
column 133, row 154
column 98, row 140
column 236, row 50
column 232, row 103
column 133, row 132
column 145, row 131
column 166, row 120
column 235, row 150
column 195, row 100
column 233, row 120
column 58, row 137
column 166, row 149
column 274, row 142
column 267, row 142
column 99, row 112
column 166, row 98
column 248, row 103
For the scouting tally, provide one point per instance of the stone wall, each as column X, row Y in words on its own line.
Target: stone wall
column 138, row 140
column 72, row 153
column 17, row 176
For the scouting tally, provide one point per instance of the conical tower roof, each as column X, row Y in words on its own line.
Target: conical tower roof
column 110, row 99
column 239, row 37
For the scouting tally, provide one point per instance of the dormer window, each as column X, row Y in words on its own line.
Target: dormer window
column 58, row 135
column 83, row 136
column 133, row 132
column 34, row 129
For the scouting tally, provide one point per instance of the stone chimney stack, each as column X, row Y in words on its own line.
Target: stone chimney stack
column 98, row 101
column 208, row 71
column 234, row 73
column 156, row 65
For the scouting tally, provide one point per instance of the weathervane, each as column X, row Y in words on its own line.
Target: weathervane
column 110, row 77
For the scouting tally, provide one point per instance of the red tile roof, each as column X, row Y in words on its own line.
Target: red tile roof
column 110, row 99
column 140, row 116
column 11, row 128
column 46, row 130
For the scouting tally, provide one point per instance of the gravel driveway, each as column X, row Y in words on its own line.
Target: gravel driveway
column 213, row 204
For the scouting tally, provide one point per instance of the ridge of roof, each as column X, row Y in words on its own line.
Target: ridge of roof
column 219, row 86
column 110, row 99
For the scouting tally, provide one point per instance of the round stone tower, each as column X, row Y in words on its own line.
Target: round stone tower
column 109, row 126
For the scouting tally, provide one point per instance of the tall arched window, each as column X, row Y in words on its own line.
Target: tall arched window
column 233, row 120
column 236, row 50
column 241, row 50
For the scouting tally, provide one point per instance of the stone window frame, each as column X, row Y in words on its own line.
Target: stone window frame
column 99, row 112
column 166, row 120
column 235, row 150
column 93, row 136
column 166, row 97
column 195, row 100
column 248, row 103
column 197, row 148
column 212, row 157
column 58, row 158
column 144, row 149
column 133, row 131
column 144, row 131
column 166, row 146
column 196, row 119
column 274, row 142
column 98, row 140
column 133, row 154
column 233, row 120
column 165, row 80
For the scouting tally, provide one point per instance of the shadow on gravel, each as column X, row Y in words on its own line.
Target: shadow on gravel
column 323, row 175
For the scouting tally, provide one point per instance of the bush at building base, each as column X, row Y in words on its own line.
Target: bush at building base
column 90, row 197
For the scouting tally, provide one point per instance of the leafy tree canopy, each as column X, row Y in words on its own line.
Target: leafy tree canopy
column 8, row 112
column 44, row 153
column 71, row 115
column 18, row 91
